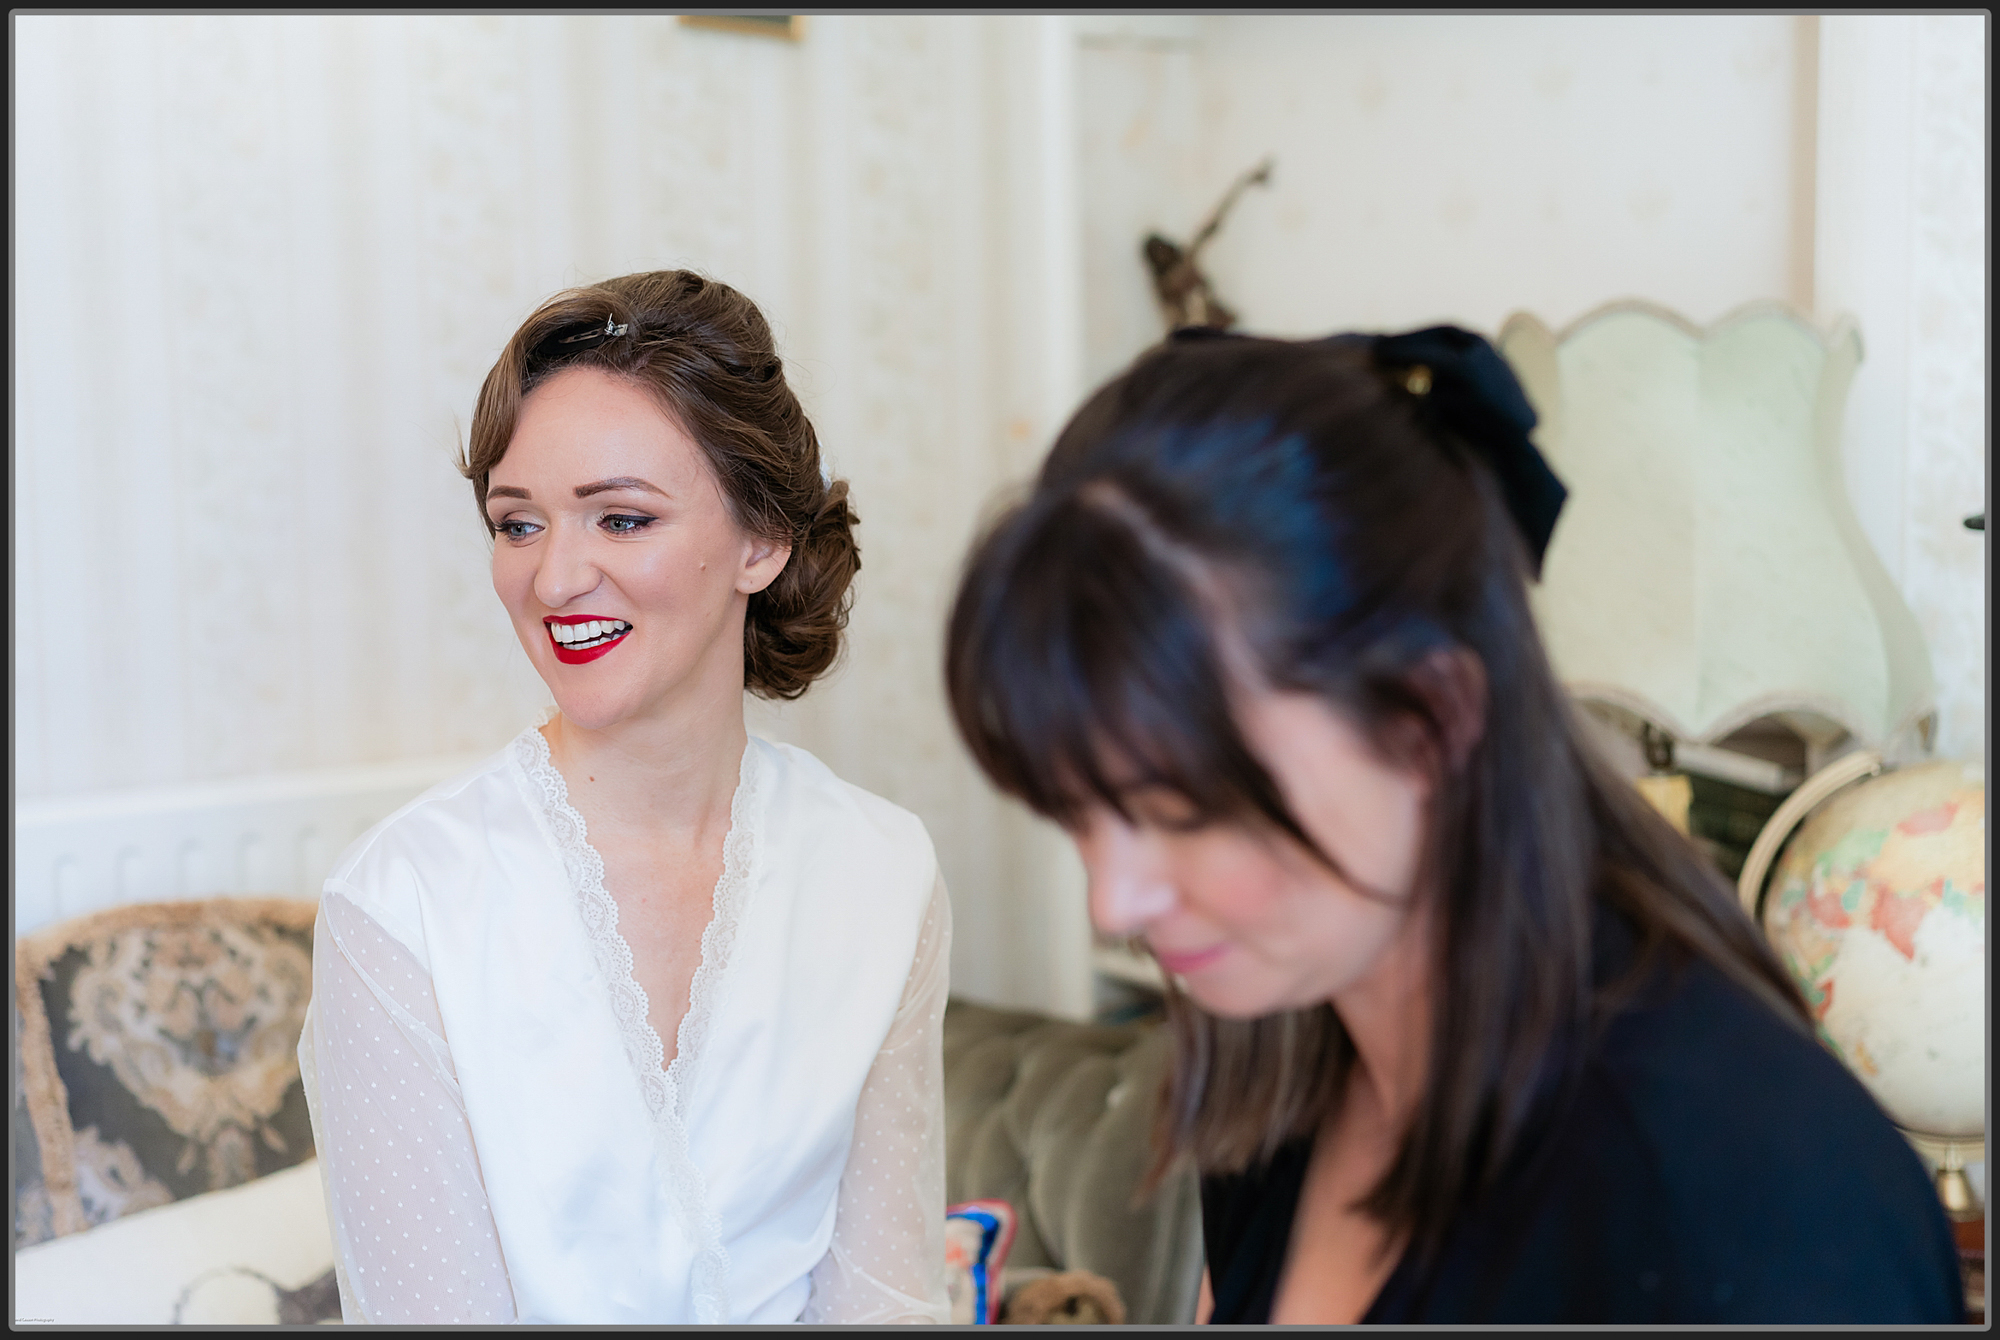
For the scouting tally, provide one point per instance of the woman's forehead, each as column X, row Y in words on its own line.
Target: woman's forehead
column 584, row 426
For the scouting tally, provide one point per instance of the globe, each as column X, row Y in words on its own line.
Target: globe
column 1878, row 907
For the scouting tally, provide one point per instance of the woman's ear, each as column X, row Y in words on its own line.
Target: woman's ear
column 1452, row 683
column 763, row 560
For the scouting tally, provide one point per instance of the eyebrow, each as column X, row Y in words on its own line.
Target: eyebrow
column 582, row 490
column 622, row 482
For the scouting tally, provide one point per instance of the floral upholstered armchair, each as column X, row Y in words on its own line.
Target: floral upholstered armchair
column 156, row 1063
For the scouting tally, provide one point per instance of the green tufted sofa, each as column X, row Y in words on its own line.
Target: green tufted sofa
column 1056, row 1119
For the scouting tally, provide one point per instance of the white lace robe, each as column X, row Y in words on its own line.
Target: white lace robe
column 499, row 1138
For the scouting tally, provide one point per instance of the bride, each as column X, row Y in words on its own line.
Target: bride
column 640, row 1021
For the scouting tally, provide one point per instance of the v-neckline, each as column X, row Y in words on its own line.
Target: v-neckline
column 664, row 1087
column 1263, row 1211
column 665, row 1081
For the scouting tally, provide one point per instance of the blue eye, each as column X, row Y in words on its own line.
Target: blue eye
column 625, row 525
column 517, row 530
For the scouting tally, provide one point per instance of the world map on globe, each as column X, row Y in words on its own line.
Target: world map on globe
column 1878, row 907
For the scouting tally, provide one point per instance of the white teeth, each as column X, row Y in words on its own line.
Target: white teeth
column 590, row 632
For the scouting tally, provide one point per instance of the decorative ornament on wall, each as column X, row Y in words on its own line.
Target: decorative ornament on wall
column 1187, row 297
column 785, row 27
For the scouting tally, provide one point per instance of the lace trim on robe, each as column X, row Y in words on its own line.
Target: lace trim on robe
column 665, row 1086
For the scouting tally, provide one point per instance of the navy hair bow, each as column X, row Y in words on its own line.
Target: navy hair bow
column 1466, row 387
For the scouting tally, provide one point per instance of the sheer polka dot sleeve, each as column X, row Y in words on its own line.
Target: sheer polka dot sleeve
column 413, row 1236
column 886, row 1263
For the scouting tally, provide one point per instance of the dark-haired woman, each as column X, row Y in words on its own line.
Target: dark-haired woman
column 1464, row 1032
column 640, row 1021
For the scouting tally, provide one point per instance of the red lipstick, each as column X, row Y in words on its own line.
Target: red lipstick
column 614, row 633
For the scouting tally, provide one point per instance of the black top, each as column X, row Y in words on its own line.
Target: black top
column 1715, row 1165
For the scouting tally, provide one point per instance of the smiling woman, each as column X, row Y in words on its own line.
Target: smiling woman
column 659, row 1003
column 680, row 566
column 705, row 363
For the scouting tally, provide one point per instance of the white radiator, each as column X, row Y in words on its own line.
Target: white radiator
column 278, row 834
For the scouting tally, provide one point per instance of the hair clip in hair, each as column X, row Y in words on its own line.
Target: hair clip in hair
column 1417, row 380
column 577, row 338
column 592, row 337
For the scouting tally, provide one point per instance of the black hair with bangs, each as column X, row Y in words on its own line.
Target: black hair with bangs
column 1291, row 501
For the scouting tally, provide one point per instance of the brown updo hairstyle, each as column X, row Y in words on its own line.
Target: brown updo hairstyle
column 705, row 353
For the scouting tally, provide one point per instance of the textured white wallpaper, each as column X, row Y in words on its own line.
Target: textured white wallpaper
column 1944, row 565
column 1901, row 243
column 1462, row 168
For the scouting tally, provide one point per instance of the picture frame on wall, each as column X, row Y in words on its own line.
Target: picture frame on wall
column 784, row 27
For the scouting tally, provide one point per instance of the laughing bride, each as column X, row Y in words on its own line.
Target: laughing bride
column 640, row 1020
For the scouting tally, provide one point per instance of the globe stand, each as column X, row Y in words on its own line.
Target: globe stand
column 1954, row 1188
column 1947, row 1155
